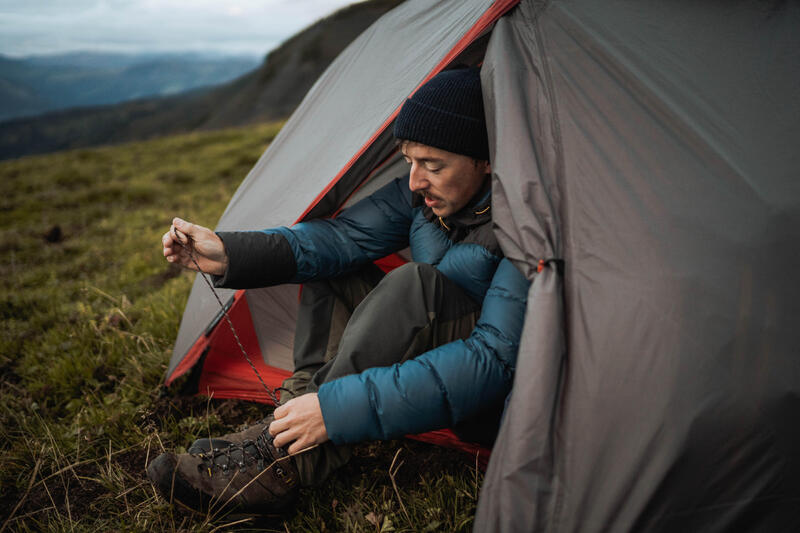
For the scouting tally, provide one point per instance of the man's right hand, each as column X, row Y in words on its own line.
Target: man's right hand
column 208, row 249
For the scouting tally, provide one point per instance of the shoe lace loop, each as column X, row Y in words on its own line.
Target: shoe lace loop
column 261, row 451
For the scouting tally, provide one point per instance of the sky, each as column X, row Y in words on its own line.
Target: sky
column 253, row 27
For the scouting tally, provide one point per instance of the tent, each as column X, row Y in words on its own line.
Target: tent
column 646, row 151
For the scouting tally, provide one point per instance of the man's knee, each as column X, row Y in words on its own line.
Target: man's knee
column 349, row 289
column 411, row 275
column 423, row 286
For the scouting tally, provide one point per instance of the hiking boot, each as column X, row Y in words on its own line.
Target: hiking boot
column 250, row 476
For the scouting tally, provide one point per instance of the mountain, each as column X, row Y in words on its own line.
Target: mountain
column 268, row 93
column 33, row 85
column 116, row 60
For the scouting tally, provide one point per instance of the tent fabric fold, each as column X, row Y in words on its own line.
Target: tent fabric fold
column 677, row 211
column 527, row 168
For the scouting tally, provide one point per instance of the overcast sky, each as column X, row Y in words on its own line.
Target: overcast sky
column 240, row 26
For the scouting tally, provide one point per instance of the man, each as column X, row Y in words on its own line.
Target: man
column 432, row 344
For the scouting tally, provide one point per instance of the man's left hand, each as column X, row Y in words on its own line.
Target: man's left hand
column 299, row 420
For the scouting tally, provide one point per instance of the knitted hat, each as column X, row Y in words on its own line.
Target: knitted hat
column 447, row 113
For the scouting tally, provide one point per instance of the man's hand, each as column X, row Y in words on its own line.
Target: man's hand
column 299, row 420
column 209, row 251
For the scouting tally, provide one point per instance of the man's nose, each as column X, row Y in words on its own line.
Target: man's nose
column 416, row 179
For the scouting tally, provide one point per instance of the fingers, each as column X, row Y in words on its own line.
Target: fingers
column 176, row 234
column 181, row 231
column 284, row 428
column 278, row 426
column 299, row 422
column 282, row 411
column 299, row 445
column 175, row 244
column 183, row 226
column 286, row 437
column 283, row 432
column 187, row 231
column 166, row 243
column 169, row 248
column 299, row 439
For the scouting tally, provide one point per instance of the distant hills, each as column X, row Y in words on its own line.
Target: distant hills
column 34, row 85
column 269, row 92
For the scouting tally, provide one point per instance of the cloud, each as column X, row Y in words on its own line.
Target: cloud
column 237, row 26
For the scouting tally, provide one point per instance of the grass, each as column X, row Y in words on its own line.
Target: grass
column 89, row 311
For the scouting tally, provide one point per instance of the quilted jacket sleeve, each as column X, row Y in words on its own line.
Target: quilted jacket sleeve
column 441, row 387
column 373, row 228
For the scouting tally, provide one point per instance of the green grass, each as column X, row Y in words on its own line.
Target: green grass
column 89, row 310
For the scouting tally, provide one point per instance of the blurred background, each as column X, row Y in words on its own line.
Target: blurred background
column 160, row 66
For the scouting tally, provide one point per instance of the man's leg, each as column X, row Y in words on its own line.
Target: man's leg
column 412, row 310
column 325, row 309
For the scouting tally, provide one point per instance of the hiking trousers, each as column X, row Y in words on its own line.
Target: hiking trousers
column 367, row 319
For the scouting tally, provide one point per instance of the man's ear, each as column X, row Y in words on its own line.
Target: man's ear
column 488, row 167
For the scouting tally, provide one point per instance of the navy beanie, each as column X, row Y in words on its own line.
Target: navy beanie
column 447, row 113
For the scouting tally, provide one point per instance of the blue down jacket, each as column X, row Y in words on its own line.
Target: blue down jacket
column 443, row 386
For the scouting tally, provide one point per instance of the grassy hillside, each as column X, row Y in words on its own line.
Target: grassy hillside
column 271, row 92
column 88, row 314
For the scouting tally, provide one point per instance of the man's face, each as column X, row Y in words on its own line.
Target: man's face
column 446, row 180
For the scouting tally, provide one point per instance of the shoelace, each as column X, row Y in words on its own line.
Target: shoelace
column 263, row 447
column 189, row 247
column 260, row 451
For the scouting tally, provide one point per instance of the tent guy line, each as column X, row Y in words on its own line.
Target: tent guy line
column 190, row 249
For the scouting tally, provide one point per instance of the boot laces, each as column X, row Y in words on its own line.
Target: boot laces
column 260, row 451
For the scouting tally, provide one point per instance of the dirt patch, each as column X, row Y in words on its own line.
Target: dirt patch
column 82, row 489
column 54, row 234
column 132, row 461
column 157, row 280
column 417, row 458
column 72, row 492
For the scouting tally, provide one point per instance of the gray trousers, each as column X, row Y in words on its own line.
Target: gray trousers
column 367, row 319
